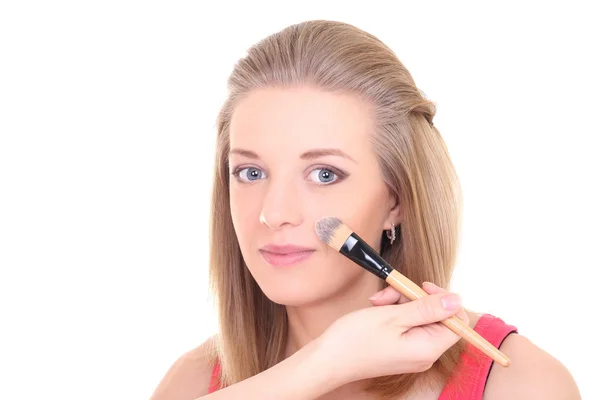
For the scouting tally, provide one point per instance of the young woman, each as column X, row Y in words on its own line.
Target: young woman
column 324, row 120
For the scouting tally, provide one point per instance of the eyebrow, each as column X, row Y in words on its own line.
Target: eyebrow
column 307, row 155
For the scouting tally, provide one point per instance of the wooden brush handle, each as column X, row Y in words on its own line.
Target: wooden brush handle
column 455, row 324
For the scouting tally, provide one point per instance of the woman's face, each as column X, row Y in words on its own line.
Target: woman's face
column 298, row 155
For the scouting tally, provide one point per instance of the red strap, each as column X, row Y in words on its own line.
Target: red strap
column 469, row 380
column 468, row 383
column 214, row 378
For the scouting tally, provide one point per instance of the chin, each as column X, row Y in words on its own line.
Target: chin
column 294, row 292
column 288, row 296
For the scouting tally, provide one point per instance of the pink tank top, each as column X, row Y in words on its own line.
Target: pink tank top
column 470, row 377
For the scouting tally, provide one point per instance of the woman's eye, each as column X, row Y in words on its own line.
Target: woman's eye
column 250, row 174
column 323, row 175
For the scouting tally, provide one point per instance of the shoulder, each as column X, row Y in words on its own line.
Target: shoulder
column 189, row 376
column 532, row 374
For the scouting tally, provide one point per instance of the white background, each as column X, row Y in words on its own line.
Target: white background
column 107, row 123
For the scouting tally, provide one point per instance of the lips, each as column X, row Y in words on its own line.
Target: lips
column 280, row 256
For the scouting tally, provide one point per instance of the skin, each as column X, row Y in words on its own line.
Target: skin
column 278, row 194
column 279, row 197
column 289, row 193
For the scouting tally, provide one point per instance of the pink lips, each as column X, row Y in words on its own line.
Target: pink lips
column 280, row 256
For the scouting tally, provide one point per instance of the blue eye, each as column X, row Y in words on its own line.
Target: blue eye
column 323, row 176
column 250, row 174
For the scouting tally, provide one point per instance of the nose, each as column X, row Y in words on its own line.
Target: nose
column 281, row 205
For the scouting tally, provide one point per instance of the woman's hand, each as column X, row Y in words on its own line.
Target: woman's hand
column 396, row 336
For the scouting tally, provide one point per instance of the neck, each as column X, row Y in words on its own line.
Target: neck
column 307, row 322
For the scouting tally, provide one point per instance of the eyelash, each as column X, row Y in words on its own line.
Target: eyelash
column 340, row 174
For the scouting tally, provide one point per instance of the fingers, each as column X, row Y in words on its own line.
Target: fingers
column 386, row 296
column 429, row 309
column 389, row 295
column 434, row 289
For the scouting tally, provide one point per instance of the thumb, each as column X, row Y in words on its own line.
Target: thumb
column 429, row 309
column 432, row 288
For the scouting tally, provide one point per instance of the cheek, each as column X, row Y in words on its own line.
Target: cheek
column 368, row 222
column 365, row 214
column 245, row 211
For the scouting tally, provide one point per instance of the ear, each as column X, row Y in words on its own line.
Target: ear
column 395, row 213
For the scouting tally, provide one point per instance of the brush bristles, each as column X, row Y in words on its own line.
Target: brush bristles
column 332, row 231
column 326, row 227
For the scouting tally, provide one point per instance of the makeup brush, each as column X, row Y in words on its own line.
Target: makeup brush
column 341, row 238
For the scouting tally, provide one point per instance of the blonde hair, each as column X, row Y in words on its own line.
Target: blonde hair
column 337, row 57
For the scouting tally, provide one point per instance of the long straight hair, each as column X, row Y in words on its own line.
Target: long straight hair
column 337, row 57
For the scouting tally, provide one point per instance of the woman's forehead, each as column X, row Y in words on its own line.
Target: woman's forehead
column 303, row 118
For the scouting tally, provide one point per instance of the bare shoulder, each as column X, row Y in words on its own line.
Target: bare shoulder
column 533, row 374
column 189, row 376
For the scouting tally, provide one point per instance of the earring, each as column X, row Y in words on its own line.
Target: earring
column 391, row 234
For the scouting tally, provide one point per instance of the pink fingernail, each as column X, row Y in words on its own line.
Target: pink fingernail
column 451, row 301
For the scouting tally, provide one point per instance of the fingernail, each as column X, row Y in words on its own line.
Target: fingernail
column 375, row 296
column 451, row 301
